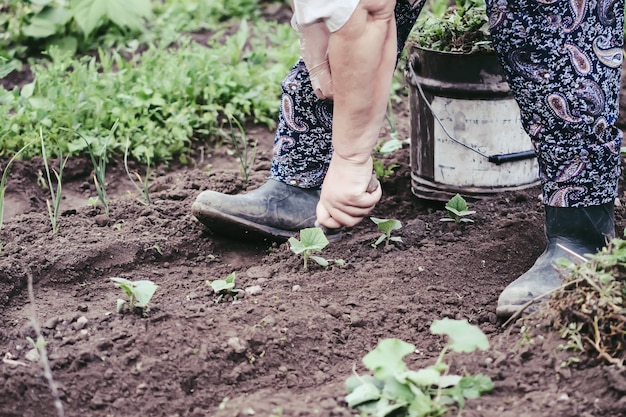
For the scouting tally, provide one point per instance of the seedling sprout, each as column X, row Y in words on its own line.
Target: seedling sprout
column 386, row 226
column 139, row 293
column 54, row 207
column 311, row 240
column 457, row 211
column 224, row 287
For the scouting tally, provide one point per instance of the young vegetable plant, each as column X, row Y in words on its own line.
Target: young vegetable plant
column 54, row 208
column 244, row 154
column 386, row 226
column 140, row 184
column 311, row 240
column 224, row 287
column 99, row 162
column 396, row 390
column 139, row 294
column 457, row 211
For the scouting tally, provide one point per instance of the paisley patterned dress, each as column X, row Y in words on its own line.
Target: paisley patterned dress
column 563, row 62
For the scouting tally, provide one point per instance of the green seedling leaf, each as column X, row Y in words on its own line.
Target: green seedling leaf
column 89, row 14
column 424, row 377
column 423, row 405
column 384, row 407
column 128, row 14
column 464, row 337
column 363, row 393
column 387, row 226
column 40, row 28
column 392, row 145
column 457, row 210
column 125, row 285
column 311, row 240
column 399, row 390
column 355, row 381
column 387, row 359
column 448, row 381
column 223, row 285
column 144, row 290
column 320, row 261
column 139, row 292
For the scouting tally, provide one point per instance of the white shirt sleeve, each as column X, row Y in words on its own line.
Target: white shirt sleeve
column 335, row 13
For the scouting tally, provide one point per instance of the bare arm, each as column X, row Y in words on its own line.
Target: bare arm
column 362, row 57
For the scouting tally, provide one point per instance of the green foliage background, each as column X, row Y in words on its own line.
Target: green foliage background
column 93, row 68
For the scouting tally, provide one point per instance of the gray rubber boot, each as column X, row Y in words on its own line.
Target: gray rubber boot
column 275, row 210
column 581, row 230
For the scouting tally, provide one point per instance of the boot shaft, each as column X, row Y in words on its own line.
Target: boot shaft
column 592, row 226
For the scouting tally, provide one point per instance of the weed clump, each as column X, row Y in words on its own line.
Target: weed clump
column 589, row 306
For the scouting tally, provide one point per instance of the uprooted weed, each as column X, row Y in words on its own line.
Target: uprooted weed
column 589, row 308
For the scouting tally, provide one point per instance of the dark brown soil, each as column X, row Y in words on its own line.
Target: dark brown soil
column 287, row 347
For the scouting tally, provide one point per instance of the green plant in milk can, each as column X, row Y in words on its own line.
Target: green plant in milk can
column 457, row 211
column 460, row 27
column 394, row 389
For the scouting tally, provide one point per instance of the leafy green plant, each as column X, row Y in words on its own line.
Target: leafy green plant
column 462, row 27
column 394, row 143
column 244, row 154
column 396, row 390
column 387, row 226
column 99, row 162
column 311, row 240
column 162, row 98
column 457, row 211
column 225, row 287
column 192, row 15
column 139, row 294
column 140, row 184
column 381, row 170
column 388, row 147
column 54, row 207
column 66, row 24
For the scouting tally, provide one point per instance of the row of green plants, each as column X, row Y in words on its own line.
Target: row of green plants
column 311, row 240
column 160, row 100
column 587, row 310
column 52, row 179
column 29, row 27
column 393, row 389
column 159, row 87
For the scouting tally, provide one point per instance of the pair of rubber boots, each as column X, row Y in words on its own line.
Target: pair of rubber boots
column 278, row 211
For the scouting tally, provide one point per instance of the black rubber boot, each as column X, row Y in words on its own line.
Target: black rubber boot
column 275, row 210
column 581, row 230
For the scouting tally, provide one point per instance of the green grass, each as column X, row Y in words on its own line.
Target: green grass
column 162, row 99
